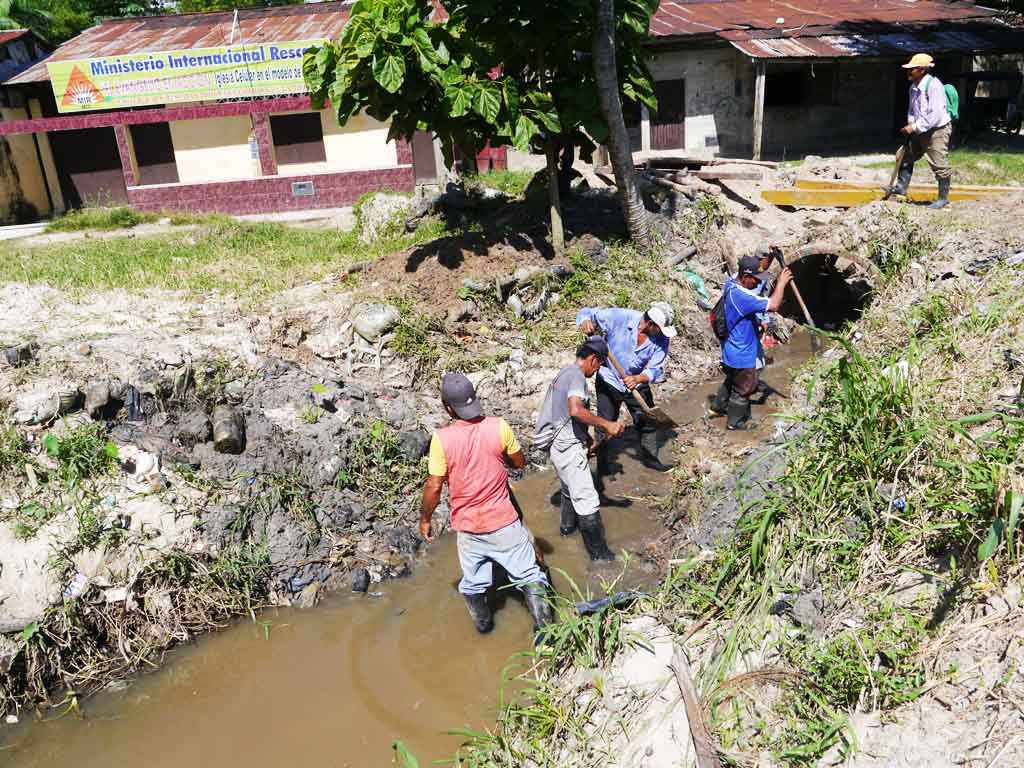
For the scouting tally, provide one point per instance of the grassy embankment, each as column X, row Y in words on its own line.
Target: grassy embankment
column 976, row 166
column 908, row 463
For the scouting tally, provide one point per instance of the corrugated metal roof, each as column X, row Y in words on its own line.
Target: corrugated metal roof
column 946, row 38
column 760, row 28
column 146, row 34
column 681, row 18
column 11, row 34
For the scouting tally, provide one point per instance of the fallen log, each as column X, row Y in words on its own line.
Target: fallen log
column 690, row 189
column 687, row 180
column 709, row 175
column 697, row 162
column 703, row 746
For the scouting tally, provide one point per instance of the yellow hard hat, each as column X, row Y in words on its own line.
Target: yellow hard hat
column 920, row 60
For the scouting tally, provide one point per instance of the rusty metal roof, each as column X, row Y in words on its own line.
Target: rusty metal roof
column 990, row 37
column 683, row 18
column 145, row 34
column 759, row 28
column 11, row 34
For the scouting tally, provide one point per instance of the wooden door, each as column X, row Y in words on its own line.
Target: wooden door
column 424, row 162
column 668, row 123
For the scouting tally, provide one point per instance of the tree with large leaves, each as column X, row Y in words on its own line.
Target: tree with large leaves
column 24, row 14
column 492, row 71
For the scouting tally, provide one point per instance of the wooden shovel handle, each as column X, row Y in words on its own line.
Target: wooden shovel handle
column 622, row 375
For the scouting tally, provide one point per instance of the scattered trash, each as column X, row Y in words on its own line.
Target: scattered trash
column 617, row 600
column 374, row 320
column 76, row 586
column 696, row 281
column 11, row 719
column 20, row 354
column 228, row 430
column 360, row 580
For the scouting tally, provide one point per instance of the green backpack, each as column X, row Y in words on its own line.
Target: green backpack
column 952, row 99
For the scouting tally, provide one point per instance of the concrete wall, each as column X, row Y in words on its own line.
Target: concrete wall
column 717, row 120
column 213, row 149
column 360, row 145
column 862, row 118
column 23, row 176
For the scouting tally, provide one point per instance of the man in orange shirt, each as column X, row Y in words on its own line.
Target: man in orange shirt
column 471, row 455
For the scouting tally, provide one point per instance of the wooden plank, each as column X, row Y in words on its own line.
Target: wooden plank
column 703, row 745
column 848, row 198
column 840, row 184
column 711, row 175
column 758, row 109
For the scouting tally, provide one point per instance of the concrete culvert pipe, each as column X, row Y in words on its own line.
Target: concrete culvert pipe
column 833, row 287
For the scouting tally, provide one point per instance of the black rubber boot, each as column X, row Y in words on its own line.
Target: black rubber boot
column 903, row 180
column 567, row 524
column 481, row 613
column 739, row 414
column 718, row 402
column 649, row 452
column 536, row 596
column 592, row 532
column 943, row 199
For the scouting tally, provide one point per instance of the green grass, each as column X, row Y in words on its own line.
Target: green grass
column 246, row 259
column 511, row 183
column 974, row 166
column 121, row 217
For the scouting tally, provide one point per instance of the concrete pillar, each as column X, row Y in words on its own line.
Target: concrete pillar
column 758, row 108
column 645, row 128
column 264, row 143
column 124, row 149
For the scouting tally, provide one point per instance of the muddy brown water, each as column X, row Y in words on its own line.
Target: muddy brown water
column 336, row 685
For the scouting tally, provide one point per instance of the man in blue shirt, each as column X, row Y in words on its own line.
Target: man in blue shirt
column 742, row 354
column 639, row 342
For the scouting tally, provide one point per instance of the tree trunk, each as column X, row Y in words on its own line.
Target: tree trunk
column 606, row 73
column 557, row 232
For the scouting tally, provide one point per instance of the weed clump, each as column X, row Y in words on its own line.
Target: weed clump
column 378, row 469
column 121, row 217
column 900, row 241
column 83, row 454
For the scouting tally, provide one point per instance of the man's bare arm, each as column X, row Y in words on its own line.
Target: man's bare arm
column 431, row 498
column 584, row 415
column 516, row 460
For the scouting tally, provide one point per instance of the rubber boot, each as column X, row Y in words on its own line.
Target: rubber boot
column 718, row 402
column 536, row 596
column 943, row 199
column 481, row 613
column 592, row 532
column 567, row 524
column 649, row 452
column 903, row 180
column 738, row 414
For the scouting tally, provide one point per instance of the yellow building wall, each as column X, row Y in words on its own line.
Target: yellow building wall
column 213, row 149
column 35, row 110
column 360, row 145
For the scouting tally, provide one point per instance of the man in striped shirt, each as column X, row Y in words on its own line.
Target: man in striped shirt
column 928, row 128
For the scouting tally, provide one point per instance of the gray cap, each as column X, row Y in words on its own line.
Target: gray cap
column 458, row 392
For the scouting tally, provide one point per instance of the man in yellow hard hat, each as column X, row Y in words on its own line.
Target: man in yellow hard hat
column 928, row 128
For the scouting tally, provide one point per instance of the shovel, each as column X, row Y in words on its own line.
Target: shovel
column 656, row 415
column 900, row 154
column 815, row 342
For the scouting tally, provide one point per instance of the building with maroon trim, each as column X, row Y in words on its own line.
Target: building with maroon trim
column 236, row 156
column 736, row 77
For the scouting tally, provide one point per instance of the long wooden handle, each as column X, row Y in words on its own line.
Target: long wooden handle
column 703, row 745
column 622, row 375
column 800, row 301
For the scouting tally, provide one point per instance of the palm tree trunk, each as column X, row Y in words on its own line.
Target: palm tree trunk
column 618, row 141
column 557, row 231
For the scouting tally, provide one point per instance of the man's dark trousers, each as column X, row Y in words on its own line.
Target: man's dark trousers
column 733, row 397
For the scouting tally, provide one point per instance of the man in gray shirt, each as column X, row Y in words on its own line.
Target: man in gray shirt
column 562, row 427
